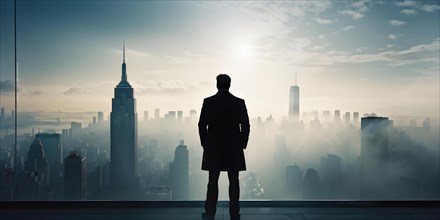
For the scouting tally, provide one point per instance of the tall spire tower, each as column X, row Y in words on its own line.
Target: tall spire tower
column 294, row 102
column 123, row 138
column 124, row 66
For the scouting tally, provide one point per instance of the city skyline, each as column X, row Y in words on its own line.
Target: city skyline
column 372, row 49
column 313, row 138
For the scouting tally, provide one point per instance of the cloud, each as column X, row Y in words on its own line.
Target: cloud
column 361, row 5
column 324, row 21
column 73, row 91
column 358, row 9
column 409, row 11
column 186, row 58
column 7, row 87
column 349, row 27
column 415, row 54
column 423, row 53
column 430, row 8
column 33, row 93
column 415, row 5
column 392, row 36
column 170, row 87
column 396, row 22
column 354, row 14
column 361, row 49
column 406, row 3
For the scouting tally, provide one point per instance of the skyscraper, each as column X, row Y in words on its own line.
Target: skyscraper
column 123, row 135
column 193, row 115
column 52, row 147
column 331, row 176
column 311, row 185
column 146, row 116
column 75, row 130
column 294, row 103
column 356, row 119
column 179, row 173
column 75, row 177
column 36, row 161
column 374, row 157
column 100, row 118
column 156, row 114
column 294, row 179
column 179, row 115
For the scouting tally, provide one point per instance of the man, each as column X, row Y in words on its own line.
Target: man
column 224, row 133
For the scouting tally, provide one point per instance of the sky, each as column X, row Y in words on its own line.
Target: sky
column 364, row 56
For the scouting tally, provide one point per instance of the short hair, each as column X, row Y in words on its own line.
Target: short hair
column 223, row 81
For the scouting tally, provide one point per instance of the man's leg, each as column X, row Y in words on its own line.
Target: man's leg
column 212, row 194
column 234, row 194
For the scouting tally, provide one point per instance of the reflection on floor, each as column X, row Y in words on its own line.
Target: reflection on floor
column 255, row 210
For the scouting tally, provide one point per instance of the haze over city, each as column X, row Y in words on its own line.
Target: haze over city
column 366, row 56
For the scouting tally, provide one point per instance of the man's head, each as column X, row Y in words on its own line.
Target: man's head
column 223, row 82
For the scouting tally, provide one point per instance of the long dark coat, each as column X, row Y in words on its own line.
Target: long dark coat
column 224, row 132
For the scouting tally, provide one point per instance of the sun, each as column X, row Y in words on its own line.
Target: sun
column 243, row 51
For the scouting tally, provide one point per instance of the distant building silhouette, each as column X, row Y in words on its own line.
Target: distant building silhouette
column 100, row 118
column 75, row 130
column 75, row 177
column 427, row 124
column 180, row 115
column 36, row 161
column 179, row 173
column 294, row 179
column 193, row 115
column 156, row 114
column 65, row 138
column 123, row 138
column 337, row 117
column 145, row 116
column 294, row 103
column 347, row 119
column 331, row 176
column 52, row 147
column 356, row 119
column 374, row 157
column 311, row 185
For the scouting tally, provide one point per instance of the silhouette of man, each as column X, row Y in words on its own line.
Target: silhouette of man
column 224, row 133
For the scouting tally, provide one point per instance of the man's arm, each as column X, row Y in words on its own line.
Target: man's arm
column 244, row 125
column 203, row 125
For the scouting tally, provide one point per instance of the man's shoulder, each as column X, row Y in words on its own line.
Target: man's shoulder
column 208, row 99
column 237, row 98
column 218, row 96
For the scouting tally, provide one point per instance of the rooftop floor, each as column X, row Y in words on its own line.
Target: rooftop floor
column 255, row 210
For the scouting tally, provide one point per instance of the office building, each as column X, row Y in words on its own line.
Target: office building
column 294, row 103
column 179, row 173
column 123, row 138
column 374, row 157
column 75, row 177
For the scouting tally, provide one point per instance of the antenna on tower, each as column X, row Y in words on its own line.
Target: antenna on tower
column 123, row 51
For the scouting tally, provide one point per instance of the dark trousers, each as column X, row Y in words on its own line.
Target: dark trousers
column 212, row 194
